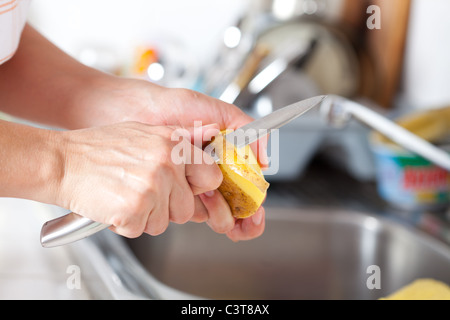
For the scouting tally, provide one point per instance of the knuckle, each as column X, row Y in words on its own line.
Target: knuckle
column 133, row 232
column 186, row 95
column 160, row 176
column 137, row 202
column 125, row 226
column 163, row 158
column 222, row 227
column 183, row 211
column 155, row 229
column 117, row 221
column 131, row 212
column 221, row 222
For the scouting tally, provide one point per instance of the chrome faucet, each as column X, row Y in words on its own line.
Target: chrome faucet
column 338, row 111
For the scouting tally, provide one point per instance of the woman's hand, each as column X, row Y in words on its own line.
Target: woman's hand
column 136, row 100
column 124, row 175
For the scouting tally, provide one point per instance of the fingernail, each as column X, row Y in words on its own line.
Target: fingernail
column 209, row 193
column 210, row 131
column 257, row 218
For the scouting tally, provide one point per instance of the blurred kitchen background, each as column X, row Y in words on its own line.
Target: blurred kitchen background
column 264, row 54
column 194, row 36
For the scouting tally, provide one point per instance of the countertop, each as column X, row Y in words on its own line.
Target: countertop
column 28, row 271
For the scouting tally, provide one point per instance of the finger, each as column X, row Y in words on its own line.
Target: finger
column 259, row 148
column 158, row 218
column 158, row 221
column 204, row 176
column 220, row 218
column 181, row 198
column 201, row 171
column 212, row 110
column 201, row 136
column 249, row 228
column 125, row 232
column 200, row 212
column 181, row 202
column 236, row 118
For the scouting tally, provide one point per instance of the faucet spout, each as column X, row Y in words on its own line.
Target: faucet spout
column 338, row 111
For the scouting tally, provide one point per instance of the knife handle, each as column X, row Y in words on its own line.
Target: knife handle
column 67, row 229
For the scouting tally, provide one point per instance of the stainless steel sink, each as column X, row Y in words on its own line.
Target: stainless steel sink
column 303, row 254
column 314, row 247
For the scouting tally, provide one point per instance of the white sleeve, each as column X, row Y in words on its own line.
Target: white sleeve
column 13, row 16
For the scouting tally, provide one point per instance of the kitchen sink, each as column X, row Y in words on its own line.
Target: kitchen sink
column 327, row 236
column 303, row 254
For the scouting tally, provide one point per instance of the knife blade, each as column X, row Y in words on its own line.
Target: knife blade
column 258, row 128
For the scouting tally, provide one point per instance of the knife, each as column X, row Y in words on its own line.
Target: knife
column 72, row 227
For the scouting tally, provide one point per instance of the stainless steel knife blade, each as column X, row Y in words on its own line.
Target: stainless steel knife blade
column 257, row 129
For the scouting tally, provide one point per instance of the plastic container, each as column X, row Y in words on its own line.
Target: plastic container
column 408, row 181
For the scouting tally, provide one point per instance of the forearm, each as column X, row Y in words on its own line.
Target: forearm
column 43, row 84
column 31, row 164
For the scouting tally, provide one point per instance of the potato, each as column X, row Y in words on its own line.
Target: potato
column 243, row 186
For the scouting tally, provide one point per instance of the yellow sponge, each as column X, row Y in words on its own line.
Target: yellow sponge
column 422, row 289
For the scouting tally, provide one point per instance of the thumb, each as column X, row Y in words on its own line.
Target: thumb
column 202, row 135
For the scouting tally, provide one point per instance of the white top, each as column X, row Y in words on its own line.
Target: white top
column 13, row 15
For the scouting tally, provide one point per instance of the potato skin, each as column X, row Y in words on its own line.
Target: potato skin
column 241, row 205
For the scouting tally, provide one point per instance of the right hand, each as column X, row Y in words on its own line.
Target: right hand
column 123, row 175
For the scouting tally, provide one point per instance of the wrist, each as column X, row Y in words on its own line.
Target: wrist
column 52, row 165
column 33, row 164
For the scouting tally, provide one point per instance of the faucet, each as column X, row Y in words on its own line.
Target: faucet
column 338, row 111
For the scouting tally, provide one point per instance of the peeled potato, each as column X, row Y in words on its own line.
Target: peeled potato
column 243, row 186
